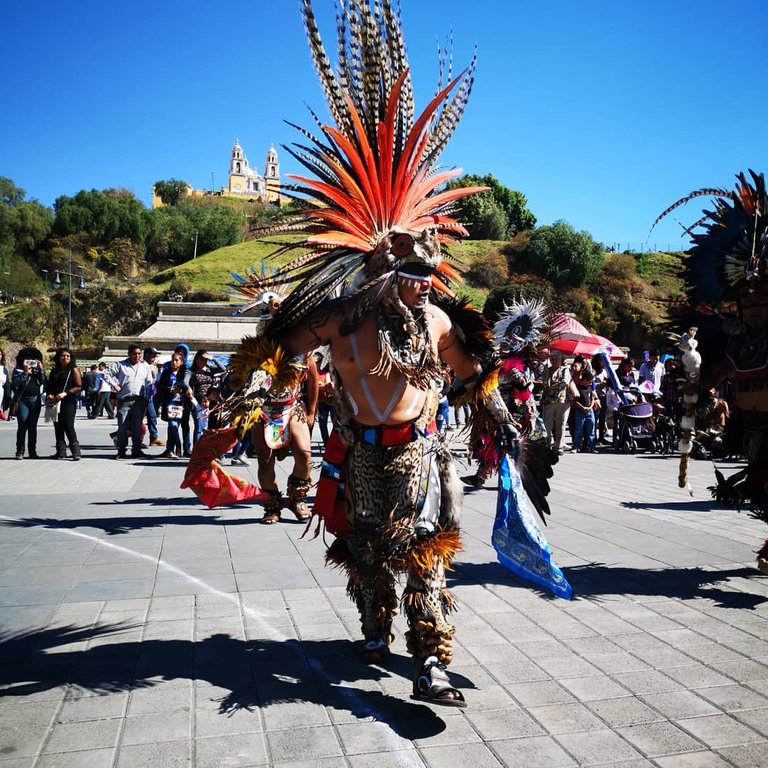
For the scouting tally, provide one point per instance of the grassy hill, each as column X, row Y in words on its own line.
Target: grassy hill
column 212, row 271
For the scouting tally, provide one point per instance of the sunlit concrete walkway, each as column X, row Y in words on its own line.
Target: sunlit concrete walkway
column 141, row 629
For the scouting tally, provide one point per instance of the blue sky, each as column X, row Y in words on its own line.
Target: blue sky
column 602, row 112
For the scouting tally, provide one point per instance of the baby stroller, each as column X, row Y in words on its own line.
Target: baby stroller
column 633, row 426
column 664, row 431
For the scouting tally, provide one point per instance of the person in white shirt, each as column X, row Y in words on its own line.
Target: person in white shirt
column 652, row 371
column 105, row 385
column 133, row 384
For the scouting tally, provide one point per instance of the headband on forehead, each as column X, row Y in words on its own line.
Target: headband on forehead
column 415, row 271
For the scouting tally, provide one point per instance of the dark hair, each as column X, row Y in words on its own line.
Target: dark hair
column 132, row 348
column 200, row 355
column 94, row 367
column 28, row 353
column 59, row 352
column 578, row 359
column 587, row 375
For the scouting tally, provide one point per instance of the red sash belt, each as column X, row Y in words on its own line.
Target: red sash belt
column 387, row 435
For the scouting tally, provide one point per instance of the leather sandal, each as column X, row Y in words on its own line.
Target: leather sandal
column 374, row 652
column 270, row 518
column 431, row 685
column 300, row 511
column 272, row 507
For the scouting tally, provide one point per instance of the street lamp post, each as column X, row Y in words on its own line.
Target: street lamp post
column 81, row 285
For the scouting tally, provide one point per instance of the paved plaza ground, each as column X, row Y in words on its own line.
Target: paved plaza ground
column 140, row 629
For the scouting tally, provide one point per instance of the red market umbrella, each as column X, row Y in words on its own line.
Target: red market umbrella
column 573, row 338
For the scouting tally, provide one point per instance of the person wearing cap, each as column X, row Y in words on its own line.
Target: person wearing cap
column 150, row 358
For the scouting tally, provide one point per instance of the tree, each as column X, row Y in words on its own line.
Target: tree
column 485, row 217
column 103, row 216
column 23, row 224
column 561, row 254
column 171, row 191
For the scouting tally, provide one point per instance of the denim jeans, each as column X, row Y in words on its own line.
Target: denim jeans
column 151, row 420
column 173, row 443
column 130, row 414
column 27, row 415
column 584, row 429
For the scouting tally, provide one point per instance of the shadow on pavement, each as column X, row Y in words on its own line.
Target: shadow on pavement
column 256, row 673
column 595, row 579
column 691, row 505
column 114, row 526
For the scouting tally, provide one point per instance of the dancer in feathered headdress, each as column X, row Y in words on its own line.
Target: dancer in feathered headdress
column 375, row 288
column 727, row 270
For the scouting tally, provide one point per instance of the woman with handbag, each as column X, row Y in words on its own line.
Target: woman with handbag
column 61, row 393
column 27, row 384
column 172, row 389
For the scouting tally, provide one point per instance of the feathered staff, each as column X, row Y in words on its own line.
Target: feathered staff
column 373, row 202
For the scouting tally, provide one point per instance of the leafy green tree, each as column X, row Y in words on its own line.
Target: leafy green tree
column 23, row 224
column 214, row 226
column 561, row 254
column 171, row 191
column 103, row 216
column 485, row 217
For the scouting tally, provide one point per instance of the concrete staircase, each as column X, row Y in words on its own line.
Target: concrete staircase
column 209, row 325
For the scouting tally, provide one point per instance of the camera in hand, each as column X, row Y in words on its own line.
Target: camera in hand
column 30, row 363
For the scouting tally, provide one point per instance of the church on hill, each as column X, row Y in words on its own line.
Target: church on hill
column 243, row 181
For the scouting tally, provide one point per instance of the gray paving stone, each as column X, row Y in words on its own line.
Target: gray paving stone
column 720, row 731
column 499, row 725
column 593, row 688
column 655, row 739
column 167, row 754
column 68, row 737
column 743, row 670
column 143, row 729
column 566, row 718
column 93, row 708
column 304, row 743
column 431, row 728
column 325, row 762
column 678, row 704
column 366, row 737
column 535, row 751
column 745, row 755
column 410, row 759
column 647, row 681
column 692, row 760
column 757, row 719
column 89, row 758
column 230, row 751
column 628, row 710
column 539, row 693
column 598, row 747
column 166, row 697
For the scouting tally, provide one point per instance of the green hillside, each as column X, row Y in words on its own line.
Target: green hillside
column 212, row 271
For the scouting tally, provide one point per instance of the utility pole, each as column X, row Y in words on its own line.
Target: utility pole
column 194, row 255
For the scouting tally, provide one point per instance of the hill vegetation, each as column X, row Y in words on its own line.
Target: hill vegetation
column 130, row 257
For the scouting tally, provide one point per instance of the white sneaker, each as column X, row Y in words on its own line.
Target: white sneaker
column 241, row 459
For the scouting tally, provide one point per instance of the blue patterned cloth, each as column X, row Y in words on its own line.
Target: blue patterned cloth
column 519, row 543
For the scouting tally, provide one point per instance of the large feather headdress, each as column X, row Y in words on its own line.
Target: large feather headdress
column 521, row 323
column 373, row 201
column 730, row 255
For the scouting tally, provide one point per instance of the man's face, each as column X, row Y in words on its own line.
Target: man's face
column 654, row 360
column 134, row 355
column 414, row 289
